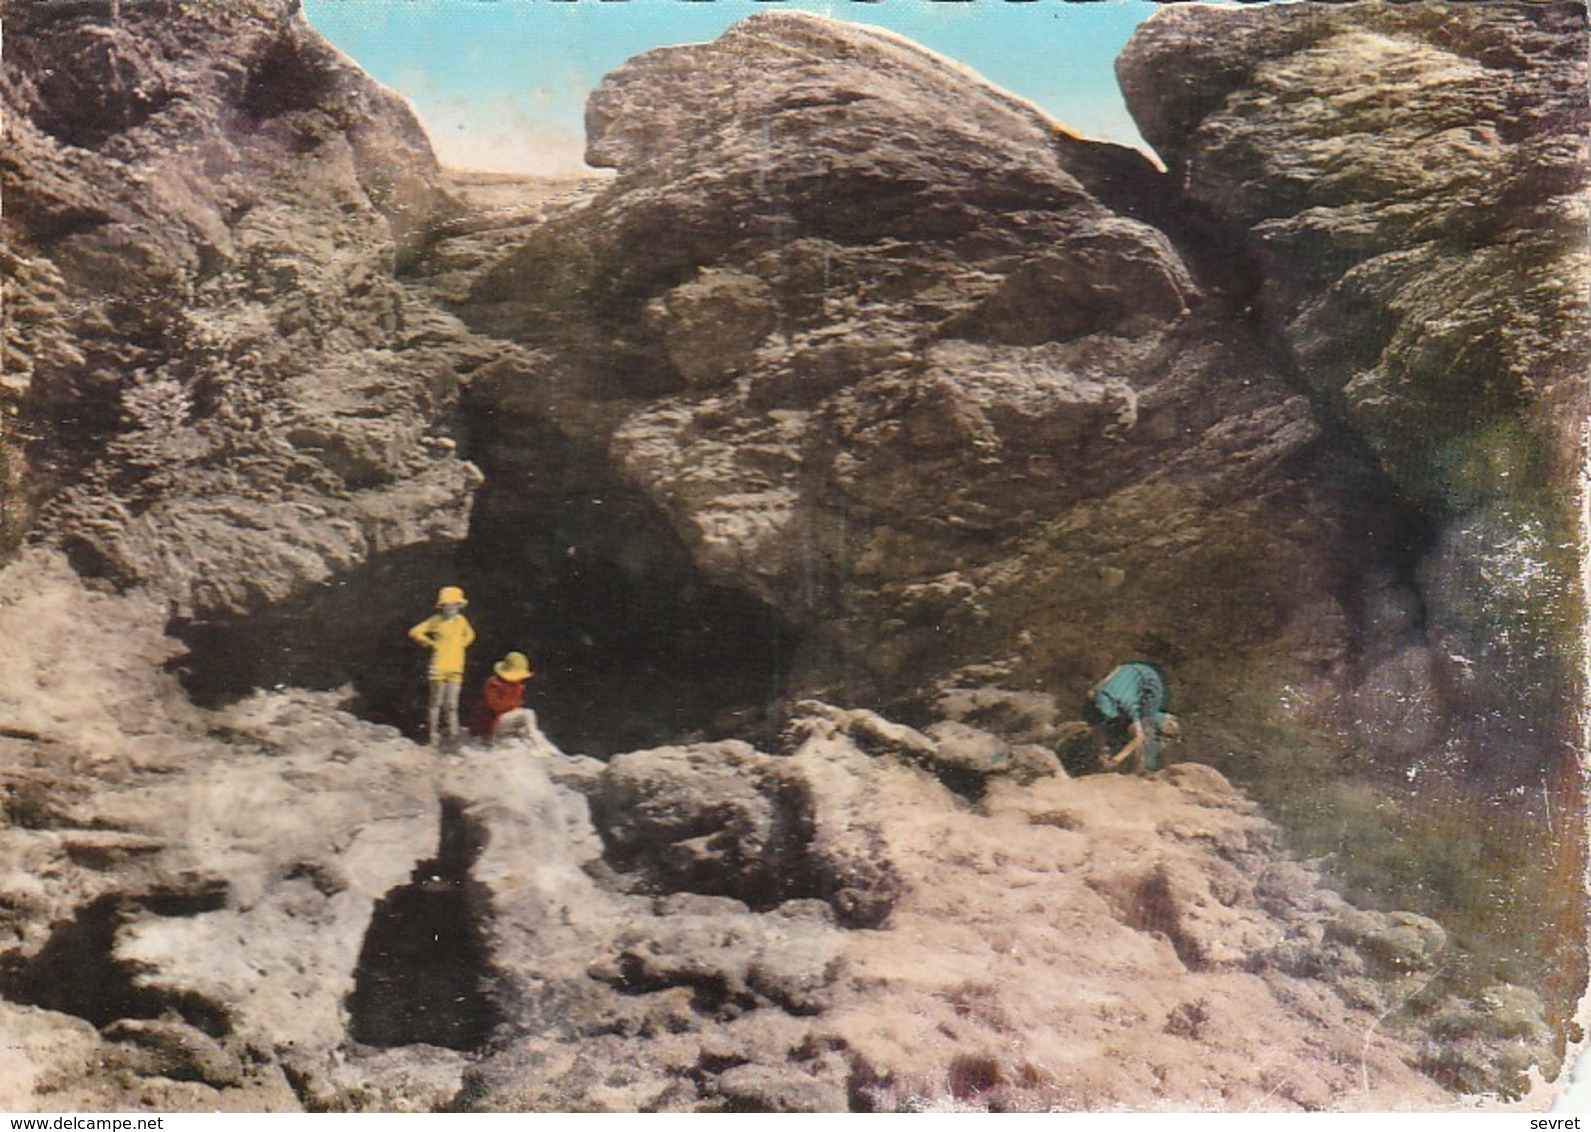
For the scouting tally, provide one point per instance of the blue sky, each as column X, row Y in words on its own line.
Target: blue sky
column 502, row 84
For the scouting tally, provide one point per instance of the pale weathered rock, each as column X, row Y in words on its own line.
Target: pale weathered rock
column 725, row 819
column 761, row 1088
column 156, row 1048
column 238, row 920
column 320, row 856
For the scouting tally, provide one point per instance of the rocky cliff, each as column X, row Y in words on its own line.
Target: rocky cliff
column 974, row 405
column 1421, row 242
column 822, row 454
column 912, row 377
column 230, row 397
column 921, row 381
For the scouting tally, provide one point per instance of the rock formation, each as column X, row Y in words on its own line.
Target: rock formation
column 233, row 399
column 828, row 450
column 1422, row 245
column 275, row 906
column 905, row 374
column 918, row 381
column 987, row 431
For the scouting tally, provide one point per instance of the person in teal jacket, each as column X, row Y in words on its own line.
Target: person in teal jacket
column 1130, row 708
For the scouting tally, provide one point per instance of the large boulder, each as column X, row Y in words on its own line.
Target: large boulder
column 893, row 353
column 726, row 820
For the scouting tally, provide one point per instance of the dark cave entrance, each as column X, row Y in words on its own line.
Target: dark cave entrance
column 632, row 646
column 422, row 971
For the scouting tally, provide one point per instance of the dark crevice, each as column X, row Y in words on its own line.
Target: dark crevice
column 77, row 970
column 710, row 991
column 759, row 848
column 1386, row 535
column 89, row 561
column 350, row 632
column 290, row 76
column 967, row 784
column 425, row 974
column 866, row 1089
column 1154, row 910
column 755, row 852
column 1125, row 181
column 422, row 975
column 972, row 1075
column 49, row 222
column 632, row 645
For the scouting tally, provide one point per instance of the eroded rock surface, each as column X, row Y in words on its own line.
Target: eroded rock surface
column 953, row 408
column 1315, row 455
column 204, row 210
column 279, row 906
column 1425, row 264
column 876, row 340
column 194, row 885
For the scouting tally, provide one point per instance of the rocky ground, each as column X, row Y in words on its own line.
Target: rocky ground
column 821, row 448
column 277, row 905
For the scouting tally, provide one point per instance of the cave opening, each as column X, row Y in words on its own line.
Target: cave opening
column 632, row 647
column 1385, row 537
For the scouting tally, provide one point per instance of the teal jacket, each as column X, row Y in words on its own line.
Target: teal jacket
column 1136, row 693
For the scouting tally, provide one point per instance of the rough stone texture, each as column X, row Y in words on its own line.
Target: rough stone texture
column 888, row 350
column 1425, row 261
column 218, row 945
column 1030, row 941
column 1019, row 993
column 729, row 821
column 1316, row 456
column 174, row 1050
column 233, row 397
column 974, row 405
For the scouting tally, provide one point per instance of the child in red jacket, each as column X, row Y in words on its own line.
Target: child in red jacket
column 502, row 710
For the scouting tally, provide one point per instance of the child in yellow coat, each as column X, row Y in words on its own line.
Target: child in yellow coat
column 448, row 635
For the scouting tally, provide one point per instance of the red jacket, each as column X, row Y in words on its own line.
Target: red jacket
column 497, row 699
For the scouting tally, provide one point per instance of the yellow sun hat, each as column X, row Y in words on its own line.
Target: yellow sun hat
column 514, row 667
column 451, row 595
